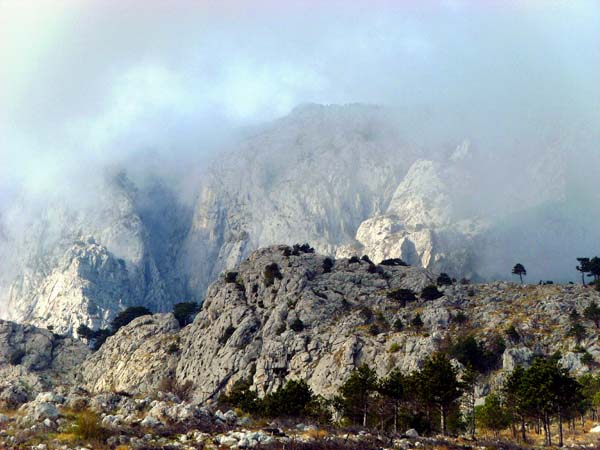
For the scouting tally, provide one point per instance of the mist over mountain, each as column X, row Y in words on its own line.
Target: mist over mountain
column 141, row 157
column 342, row 178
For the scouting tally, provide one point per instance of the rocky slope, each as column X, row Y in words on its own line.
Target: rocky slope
column 305, row 322
column 34, row 359
column 145, row 352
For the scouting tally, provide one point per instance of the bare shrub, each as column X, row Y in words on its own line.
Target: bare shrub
column 183, row 391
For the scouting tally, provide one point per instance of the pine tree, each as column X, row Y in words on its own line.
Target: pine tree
column 444, row 280
column 439, row 386
column 577, row 331
column 431, row 293
column 469, row 380
column 583, row 267
column 184, row 312
column 393, row 387
column 289, row 401
column 519, row 270
column 592, row 312
column 543, row 391
column 403, row 296
column 356, row 393
column 241, row 396
column 516, row 399
column 417, row 322
column 594, row 268
column 493, row 415
column 83, row 331
column 127, row 315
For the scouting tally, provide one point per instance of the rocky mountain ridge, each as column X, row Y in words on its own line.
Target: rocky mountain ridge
column 284, row 316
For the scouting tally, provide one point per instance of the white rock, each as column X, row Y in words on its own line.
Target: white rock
column 44, row 410
column 412, row 433
column 228, row 441
column 150, row 422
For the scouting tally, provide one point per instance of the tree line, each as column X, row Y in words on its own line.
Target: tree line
column 438, row 398
column 589, row 267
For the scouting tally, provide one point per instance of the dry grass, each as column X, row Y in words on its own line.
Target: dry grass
column 88, row 428
column 65, row 438
column 580, row 436
column 316, row 434
column 12, row 413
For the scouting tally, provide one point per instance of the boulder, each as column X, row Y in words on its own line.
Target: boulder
column 150, row 422
column 412, row 433
column 137, row 359
column 44, row 410
column 514, row 357
column 13, row 396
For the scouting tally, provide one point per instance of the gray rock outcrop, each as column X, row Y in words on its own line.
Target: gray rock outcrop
column 298, row 322
column 33, row 359
column 136, row 359
column 288, row 313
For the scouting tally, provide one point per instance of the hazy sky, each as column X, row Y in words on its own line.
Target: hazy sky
column 86, row 83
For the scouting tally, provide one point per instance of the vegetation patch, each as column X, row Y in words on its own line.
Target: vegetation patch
column 272, row 273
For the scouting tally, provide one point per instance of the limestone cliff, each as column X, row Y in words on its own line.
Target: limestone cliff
column 312, row 176
column 343, row 178
column 422, row 224
column 83, row 265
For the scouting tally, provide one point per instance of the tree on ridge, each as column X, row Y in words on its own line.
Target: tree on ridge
column 519, row 270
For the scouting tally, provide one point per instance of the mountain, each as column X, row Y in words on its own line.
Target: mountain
column 81, row 265
column 345, row 179
column 284, row 315
column 313, row 176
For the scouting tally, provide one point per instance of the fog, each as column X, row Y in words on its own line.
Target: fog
column 160, row 87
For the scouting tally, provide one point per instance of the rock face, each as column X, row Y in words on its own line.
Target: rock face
column 82, row 266
column 343, row 178
column 31, row 359
column 283, row 316
column 86, row 287
column 422, row 224
column 289, row 313
column 138, row 358
column 299, row 322
column 313, row 176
